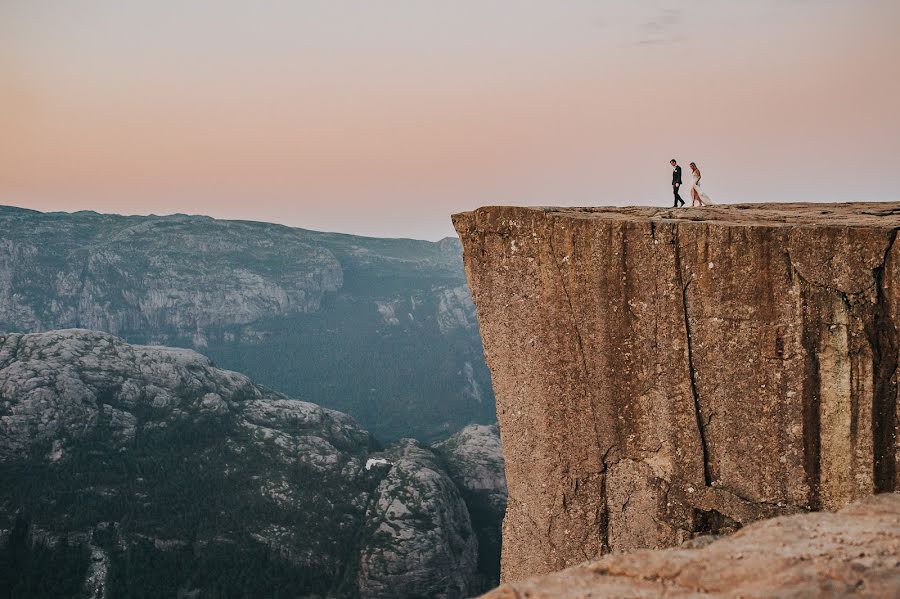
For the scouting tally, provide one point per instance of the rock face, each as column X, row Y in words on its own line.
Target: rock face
column 134, row 467
column 661, row 374
column 180, row 275
column 854, row 553
column 474, row 459
column 382, row 329
column 417, row 526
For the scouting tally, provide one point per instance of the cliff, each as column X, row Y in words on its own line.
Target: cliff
column 853, row 553
column 662, row 374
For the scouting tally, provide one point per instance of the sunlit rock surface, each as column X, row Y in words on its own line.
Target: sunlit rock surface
column 853, row 553
column 662, row 374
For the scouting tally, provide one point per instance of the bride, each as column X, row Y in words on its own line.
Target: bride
column 698, row 196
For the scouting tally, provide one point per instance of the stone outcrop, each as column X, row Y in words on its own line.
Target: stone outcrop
column 419, row 538
column 663, row 374
column 853, row 553
column 128, row 467
column 474, row 459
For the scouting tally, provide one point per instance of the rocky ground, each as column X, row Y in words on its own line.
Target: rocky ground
column 475, row 460
column 853, row 553
column 127, row 467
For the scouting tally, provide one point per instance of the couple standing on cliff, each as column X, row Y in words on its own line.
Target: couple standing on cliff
column 698, row 197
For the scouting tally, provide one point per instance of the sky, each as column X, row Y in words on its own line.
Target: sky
column 384, row 117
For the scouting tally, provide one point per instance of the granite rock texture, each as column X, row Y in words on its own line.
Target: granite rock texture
column 662, row 374
column 474, row 460
column 853, row 553
column 163, row 276
column 419, row 538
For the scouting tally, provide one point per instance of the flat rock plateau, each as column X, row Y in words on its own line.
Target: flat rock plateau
column 663, row 374
column 853, row 553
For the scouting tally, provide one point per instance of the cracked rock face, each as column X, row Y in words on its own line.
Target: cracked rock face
column 420, row 541
column 853, row 553
column 59, row 388
column 661, row 374
column 126, row 467
column 157, row 276
column 474, row 459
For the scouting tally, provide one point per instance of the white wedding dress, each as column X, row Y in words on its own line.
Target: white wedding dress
column 695, row 186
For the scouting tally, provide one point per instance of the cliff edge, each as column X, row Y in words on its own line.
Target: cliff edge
column 661, row 373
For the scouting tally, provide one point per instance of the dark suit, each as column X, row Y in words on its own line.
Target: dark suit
column 676, row 184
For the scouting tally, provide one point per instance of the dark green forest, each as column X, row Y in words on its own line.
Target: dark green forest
column 173, row 483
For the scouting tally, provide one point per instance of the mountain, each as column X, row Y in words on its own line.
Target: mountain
column 144, row 471
column 382, row 329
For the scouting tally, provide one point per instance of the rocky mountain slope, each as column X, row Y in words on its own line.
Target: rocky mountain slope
column 853, row 553
column 383, row 329
column 474, row 460
column 666, row 373
column 417, row 525
column 146, row 471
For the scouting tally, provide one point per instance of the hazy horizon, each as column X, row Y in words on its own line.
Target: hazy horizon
column 451, row 234
column 383, row 120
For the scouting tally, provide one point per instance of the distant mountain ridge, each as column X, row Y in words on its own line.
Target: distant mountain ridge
column 383, row 329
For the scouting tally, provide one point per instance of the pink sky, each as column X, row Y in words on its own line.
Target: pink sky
column 384, row 118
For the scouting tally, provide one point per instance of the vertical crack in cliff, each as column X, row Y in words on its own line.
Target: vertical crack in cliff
column 13, row 351
column 704, row 446
column 883, row 340
column 882, row 336
column 344, row 578
column 565, row 288
column 656, row 297
column 812, row 384
column 575, row 327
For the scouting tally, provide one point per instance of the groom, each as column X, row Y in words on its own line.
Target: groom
column 676, row 183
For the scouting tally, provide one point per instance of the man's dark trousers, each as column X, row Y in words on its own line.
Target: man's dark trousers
column 676, row 183
column 678, row 200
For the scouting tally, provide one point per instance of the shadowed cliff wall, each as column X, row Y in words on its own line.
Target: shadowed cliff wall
column 664, row 373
